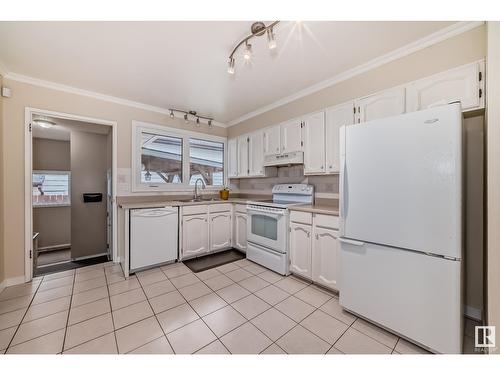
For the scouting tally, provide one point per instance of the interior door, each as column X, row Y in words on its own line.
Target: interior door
column 272, row 140
column 401, row 181
column 109, row 213
column 336, row 117
column 314, row 143
column 291, row 136
column 380, row 105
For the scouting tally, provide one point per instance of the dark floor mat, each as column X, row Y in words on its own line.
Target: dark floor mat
column 213, row 260
column 69, row 265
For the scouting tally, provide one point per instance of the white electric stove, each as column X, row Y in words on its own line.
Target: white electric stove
column 268, row 223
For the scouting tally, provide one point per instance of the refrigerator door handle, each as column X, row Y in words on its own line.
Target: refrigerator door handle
column 351, row 242
column 344, row 192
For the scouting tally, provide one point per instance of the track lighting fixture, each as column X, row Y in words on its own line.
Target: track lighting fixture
column 247, row 53
column 193, row 115
column 257, row 29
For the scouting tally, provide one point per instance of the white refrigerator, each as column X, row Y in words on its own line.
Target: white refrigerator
column 401, row 225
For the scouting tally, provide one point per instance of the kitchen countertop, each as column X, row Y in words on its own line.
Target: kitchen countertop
column 165, row 201
column 316, row 208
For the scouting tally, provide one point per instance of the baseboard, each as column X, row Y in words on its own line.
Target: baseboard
column 11, row 281
column 473, row 313
column 54, row 247
column 90, row 256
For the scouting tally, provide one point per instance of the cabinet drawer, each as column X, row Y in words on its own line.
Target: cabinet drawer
column 326, row 221
column 221, row 207
column 301, row 217
column 241, row 208
column 195, row 209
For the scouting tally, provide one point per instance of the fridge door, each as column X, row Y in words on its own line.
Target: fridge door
column 401, row 181
column 413, row 294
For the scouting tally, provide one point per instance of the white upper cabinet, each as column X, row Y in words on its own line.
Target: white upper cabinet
column 243, row 156
column 232, row 158
column 336, row 117
column 272, row 140
column 314, row 143
column 291, row 136
column 256, row 154
column 382, row 104
column 464, row 84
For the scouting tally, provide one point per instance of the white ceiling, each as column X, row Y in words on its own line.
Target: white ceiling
column 62, row 129
column 184, row 64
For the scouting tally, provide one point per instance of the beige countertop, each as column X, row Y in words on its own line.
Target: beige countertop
column 317, row 208
column 162, row 201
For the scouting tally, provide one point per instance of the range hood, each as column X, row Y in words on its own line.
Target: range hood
column 290, row 158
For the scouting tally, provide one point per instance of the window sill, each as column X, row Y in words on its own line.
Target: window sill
column 51, row 205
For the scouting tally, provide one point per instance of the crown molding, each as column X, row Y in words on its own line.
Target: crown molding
column 429, row 40
column 94, row 95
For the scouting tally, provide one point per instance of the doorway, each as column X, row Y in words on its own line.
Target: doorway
column 70, row 192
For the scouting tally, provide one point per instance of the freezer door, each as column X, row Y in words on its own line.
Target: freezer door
column 401, row 181
column 415, row 295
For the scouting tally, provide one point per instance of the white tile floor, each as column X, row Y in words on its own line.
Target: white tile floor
column 240, row 307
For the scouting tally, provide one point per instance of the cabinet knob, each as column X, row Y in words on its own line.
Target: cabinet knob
column 308, row 234
column 317, row 237
column 330, row 166
column 322, row 167
column 277, row 148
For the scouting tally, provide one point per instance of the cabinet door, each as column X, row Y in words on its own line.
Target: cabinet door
column 243, row 156
column 314, row 143
column 194, row 235
column 256, row 154
column 383, row 104
column 291, row 136
column 336, row 117
column 240, row 231
column 232, row 158
column 461, row 84
column 300, row 249
column 220, row 231
column 272, row 142
column 325, row 257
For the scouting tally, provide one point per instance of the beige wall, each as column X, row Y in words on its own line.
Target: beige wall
column 2, row 256
column 25, row 95
column 88, row 175
column 53, row 223
column 493, row 177
column 459, row 50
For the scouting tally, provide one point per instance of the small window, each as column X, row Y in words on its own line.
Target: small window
column 206, row 161
column 51, row 188
column 161, row 159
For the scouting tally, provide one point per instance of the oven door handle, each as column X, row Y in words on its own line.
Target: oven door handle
column 267, row 213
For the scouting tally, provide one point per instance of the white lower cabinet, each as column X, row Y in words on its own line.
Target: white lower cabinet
column 240, row 231
column 220, row 231
column 300, row 249
column 324, row 257
column 314, row 248
column 203, row 233
column 194, row 235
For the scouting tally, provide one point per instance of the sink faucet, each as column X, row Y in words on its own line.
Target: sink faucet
column 196, row 194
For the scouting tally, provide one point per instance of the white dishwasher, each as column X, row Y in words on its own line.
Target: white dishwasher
column 153, row 236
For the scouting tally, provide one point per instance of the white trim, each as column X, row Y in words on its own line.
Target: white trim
column 473, row 313
column 92, row 94
column 28, row 204
column 427, row 41
column 11, row 281
column 170, row 132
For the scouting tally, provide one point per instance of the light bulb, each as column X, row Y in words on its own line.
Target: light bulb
column 247, row 53
column 271, row 41
column 230, row 68
column 171, row 114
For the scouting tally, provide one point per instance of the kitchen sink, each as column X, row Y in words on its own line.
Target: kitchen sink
column 199, row 200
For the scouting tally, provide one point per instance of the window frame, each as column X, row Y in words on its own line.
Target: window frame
column 138, row 127
column 43, row 171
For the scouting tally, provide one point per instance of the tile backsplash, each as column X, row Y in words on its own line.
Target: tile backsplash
column 324, row 186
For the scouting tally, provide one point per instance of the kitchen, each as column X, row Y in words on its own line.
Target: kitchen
column 255, row 226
